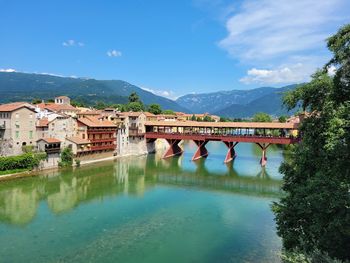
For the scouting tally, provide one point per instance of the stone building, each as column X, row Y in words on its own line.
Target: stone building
column 17, row 127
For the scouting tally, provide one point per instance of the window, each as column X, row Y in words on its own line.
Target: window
column 17, row 124
column 31, row 115
column 17, row 134
column 17, row 115
column 30, row 134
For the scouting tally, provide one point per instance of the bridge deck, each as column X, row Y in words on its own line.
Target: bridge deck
column 226, row 138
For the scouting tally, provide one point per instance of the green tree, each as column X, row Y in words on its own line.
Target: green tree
column 36, row 101
column 314, row 214
column 282, row 119
column 66, row 157
column 207, row 118
column 133, row 97
column 101, row 105
column 155, row 109
column 262, row 117
column 193, row 118
column 135, row 106
column 168, row 112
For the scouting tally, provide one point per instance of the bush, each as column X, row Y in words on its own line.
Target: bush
column 23, row 161
column 77, row 162
column 66, row 157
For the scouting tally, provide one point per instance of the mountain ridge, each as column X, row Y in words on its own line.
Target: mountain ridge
column 18, row 86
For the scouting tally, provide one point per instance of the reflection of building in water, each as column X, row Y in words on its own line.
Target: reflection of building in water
column 18, row 206
column 135, row 167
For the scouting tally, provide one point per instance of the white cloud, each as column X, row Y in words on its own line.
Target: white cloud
column 164, row 93
column 7, row 70
column 72, row 43
column 264, row 29
column 287, row 74
column 114, row 53
column 282, row 41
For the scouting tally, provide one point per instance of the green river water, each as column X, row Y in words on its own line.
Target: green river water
column 146, row 209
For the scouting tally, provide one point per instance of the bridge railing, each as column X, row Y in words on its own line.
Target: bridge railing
column 287, row 136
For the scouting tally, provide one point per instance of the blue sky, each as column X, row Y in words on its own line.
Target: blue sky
column 171, row 47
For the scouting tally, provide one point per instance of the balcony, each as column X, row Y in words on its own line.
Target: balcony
column 103, row 147
column 135, row 132
column 2, row 126
column 109, row 131
column 103, row 140
column 52, row 150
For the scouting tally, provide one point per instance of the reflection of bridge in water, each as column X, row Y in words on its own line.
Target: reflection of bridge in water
column 230, row 133
column 169, row 172
column 65, row 190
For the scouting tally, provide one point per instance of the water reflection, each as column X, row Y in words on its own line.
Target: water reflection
column 67, row 189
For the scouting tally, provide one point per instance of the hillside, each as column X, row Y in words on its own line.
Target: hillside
column 17, row 86
column 216, row 101
column 270, row 103
column 238, row 103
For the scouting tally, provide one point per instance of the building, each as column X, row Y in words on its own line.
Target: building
column 17, row 127
column 100, row 133
column 136, row 130
column 79, row 147
column 60, row 106
column 52, row 147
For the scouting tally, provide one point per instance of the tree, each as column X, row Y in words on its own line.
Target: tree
column 36, row 101
column 207, row 118
column 314, row 214
column 168, row 112
column 100, row 105
column 282, row 119
column 193, row 118
column 135, row 106
column 262, row 117
column 133, row 97
column 155, row 109
column 66, row 157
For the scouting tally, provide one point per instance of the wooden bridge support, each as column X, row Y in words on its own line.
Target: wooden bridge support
column 201, row 152
column 231, row 154
column 263, row 147
column 174, row 148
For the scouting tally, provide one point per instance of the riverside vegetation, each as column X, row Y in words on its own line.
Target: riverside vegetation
column 313, row 218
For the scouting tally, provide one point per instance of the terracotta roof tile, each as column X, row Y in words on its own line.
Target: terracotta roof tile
column 15, row 106
column 78, row 140
column 43, row 122
column 95, row 122
column 50, row 140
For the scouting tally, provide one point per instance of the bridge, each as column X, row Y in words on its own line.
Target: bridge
column 230, row 133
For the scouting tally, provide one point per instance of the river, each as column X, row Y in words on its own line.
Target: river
column 146, row 209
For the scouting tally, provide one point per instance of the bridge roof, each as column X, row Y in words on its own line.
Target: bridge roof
column 261, row 125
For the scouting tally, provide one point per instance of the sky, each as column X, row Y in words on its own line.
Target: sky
column 172, row 48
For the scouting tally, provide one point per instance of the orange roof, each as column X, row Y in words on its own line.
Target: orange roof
column 78, row 140
column 15, row 106
column 43, row 122
column 132, row 114
column 50, row 140
column 149, row 114
column 59, row 107
column 91, row 112
column 62, row 97
column 266, row 125
column 95, row 122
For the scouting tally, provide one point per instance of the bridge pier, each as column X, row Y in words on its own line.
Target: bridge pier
column 174, row 148
column 231, row 153
column 201, row 152
column 263, row 147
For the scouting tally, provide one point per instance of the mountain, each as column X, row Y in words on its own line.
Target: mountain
column 216, row 101
column 270, row 103
column 238, row 103
column 16, row 86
